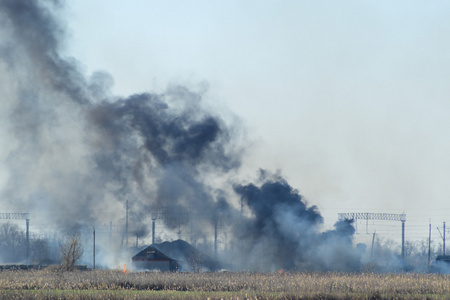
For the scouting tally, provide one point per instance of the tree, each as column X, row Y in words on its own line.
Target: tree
column 195, row 261
column 71, row 252
column 12, row 243
column 40, row 252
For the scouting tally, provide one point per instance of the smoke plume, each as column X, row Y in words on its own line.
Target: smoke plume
column 73, row 154
column 283, row 230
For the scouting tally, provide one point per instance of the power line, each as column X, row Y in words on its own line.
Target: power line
column 377, row 216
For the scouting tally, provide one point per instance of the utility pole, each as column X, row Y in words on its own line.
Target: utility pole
column 165, row 213
column 403, row 239
column 371, row 250
column 153, row 229
column 28, row 239
column 216, row 221
column 93, row 232
column 126, row 226
column 429, row 247
column 443, row 239
column 443, row 250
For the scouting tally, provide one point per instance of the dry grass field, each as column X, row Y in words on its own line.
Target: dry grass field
column 50, row 284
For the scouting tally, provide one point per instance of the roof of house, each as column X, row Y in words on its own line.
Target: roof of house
column 150, row 253
column 177, row 250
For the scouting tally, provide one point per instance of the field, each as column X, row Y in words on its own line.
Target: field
column 52, row 284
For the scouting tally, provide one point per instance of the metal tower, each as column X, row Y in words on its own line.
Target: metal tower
column 164, row 213
column 377, row 216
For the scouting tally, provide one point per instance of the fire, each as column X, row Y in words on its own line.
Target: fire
column 125, row 269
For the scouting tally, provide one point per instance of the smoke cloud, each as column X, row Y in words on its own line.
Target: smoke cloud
column 281, row 229
column 73, row 154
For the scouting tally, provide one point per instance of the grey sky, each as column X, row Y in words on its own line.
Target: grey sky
column 349, row 99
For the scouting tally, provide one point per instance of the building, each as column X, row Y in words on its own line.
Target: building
column 152, row 259
column 173, row 256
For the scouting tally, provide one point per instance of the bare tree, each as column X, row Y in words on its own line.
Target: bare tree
column 196, row 260
column 71, row 252
column 12, row 243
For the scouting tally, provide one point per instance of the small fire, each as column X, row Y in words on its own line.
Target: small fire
column 125, row 269
column 280, row 271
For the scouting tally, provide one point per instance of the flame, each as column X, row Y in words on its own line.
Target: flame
column 125, row 269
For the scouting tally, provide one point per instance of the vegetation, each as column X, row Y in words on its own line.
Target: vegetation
column 12, row 243
column 101, row 284
column 71, row 252
column 195, row 261
column 13, row 246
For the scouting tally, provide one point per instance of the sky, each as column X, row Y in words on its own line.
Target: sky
column 348, row 100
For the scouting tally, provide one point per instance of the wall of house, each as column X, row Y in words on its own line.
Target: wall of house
column 152, row 265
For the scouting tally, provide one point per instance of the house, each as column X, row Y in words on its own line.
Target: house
column 178, row 255
column 152, row 259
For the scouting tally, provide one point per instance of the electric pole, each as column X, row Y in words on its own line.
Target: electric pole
column 429, row 247
column 443, row 250
column 93, row 252
column 126, row 226
column 371, row 250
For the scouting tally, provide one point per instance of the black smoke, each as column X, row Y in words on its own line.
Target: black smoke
column 279, row 230
column 74, row 154
column 75, row 148
column 161, row 151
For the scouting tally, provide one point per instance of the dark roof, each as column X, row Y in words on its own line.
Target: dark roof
column 151, row 253
column 177, row 250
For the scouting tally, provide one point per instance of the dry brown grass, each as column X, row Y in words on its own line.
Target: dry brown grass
column 50, row 284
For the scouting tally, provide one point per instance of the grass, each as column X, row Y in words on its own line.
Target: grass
column 101, row 284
